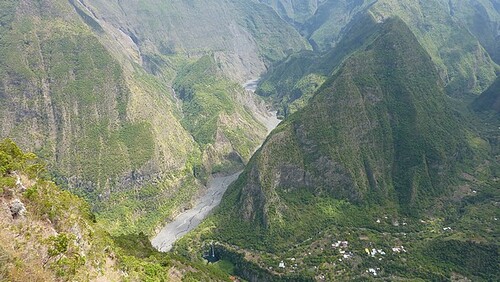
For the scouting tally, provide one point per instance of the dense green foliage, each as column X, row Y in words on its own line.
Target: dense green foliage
column 213, row 114
column 379, row 158
column 463, row 63
column 489, row 100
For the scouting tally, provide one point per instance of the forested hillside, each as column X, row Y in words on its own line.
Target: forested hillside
column 377, row 158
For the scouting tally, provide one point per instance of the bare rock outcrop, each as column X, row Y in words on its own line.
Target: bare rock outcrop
column 17, row 208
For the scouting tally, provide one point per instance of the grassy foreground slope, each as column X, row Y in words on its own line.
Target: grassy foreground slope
column 47, row 234
column 378, row 159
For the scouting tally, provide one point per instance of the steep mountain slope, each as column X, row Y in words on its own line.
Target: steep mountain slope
column 65, row 97
column 376, row 158
column 464, row 64
column 88, row 86
column 245, row 35
column 47, row 234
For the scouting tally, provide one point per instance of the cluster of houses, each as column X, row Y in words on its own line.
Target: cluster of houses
column 373, row 271
column 374, row 252
column 340, row 244
column 345, row 254
column 292, row 263
column 342, row 247
column 399, row 249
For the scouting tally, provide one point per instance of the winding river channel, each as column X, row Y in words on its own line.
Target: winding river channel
column 217, row 186
column 189, row 219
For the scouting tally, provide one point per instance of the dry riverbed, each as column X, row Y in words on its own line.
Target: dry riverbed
column 191, row 218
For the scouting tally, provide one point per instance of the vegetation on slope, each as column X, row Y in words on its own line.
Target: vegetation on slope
column 221, row 124
column 100, row 127
column 47, row 234
column 463, row 63
column 377, row 158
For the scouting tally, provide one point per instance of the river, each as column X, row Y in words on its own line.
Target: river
column 217, row 186
column 191, row 218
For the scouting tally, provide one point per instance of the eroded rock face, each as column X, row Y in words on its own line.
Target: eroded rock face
column 17, row 208
column 380, row 132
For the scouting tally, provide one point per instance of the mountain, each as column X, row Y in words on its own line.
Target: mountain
column 462, row 61
column 461, row 51
column 246, row 36
column 372, row 167
column 378, row 132
column 90, row 86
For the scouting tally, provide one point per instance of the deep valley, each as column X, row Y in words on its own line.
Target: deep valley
column 249, row 140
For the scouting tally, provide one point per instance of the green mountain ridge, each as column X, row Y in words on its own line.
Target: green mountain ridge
column 89, row 87
column 452, row 38
column 377, row 157
column 388, row 94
